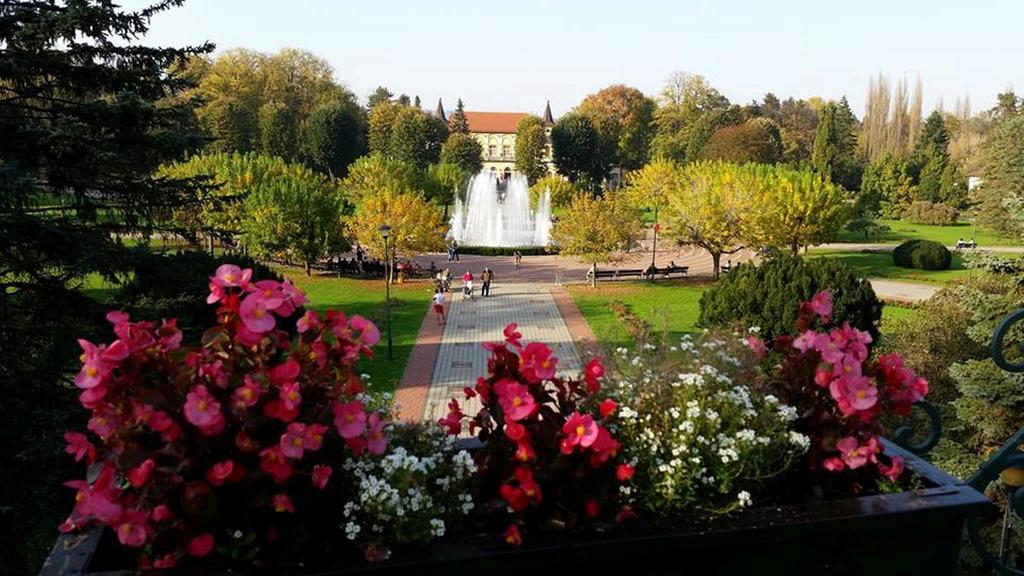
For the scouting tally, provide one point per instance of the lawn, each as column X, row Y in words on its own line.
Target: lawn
column 947, row 235
column 668, row 306
column 409, row 303
column 880, row 265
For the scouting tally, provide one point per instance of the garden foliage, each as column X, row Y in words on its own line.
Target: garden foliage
column 923, row 255
column 934, row 213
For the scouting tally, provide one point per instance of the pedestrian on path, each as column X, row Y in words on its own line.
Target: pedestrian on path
column 518, row 258
column 485, row 282
column 438, row 301
column 467, row 285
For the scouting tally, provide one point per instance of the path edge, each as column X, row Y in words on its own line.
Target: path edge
column 414, row 387
column 579, row 330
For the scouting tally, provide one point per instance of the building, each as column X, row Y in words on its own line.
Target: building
column 496, row 133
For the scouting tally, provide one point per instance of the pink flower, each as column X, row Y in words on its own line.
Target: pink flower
column 536, row 363
column 162, row 513
column 275, row 465
column 117, row 317
column 833, row 464
column 321, row 474
column 282, row 503
column 220, row 472
column 93, row 371
column 893, row 471
column 202, row 410
column 290, row 396
column 293, row 441
column 809, row 340
column 516, row 400
column 821, row 304
column 367, row 330
column 270, row 292
column 231, row 276
column 256, row 315
column 285, row 372
column 100, row 499
column 757, row 345
column 216, row 293
column 376, row 443
column 133, row 528
column 592, row 374
column 349, row 419
column 201, row 545
column 165, row 562
column 855, row 455
column 309, row 321
column 80, row 447
column 579, row 430
column 139, row 475
column 512, row 335
column 247, row 395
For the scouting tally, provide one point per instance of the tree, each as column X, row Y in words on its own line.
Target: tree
column 684, row 99
column 561, row 190
column 295, row 216
column 87, row 113
column 531, row 148
column 709, row 208
column 458, row 121
column 835, row 145
column 934, row 137
column 953, row 187
column 406, row 133
column 754, row 141
column 379, row 96
column 705, row 127
column 231, row 89
column 624, row 118
column 464, row 151
column 888, row 179
column 416, row 225
column 598, row 229
column 576, row 150
column 1001, row 194
column 1008, row 105
column 377, row 174
column 793, row 208
column 334, row 136
column 651, row 186
column 278, row 127
column 441, row 182
column 891, row 124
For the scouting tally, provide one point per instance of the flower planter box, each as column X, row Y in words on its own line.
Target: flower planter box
column 915, row 532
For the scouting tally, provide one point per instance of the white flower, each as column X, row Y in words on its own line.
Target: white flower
column 744, row 498
column 436, row 527
column 798, row 439
column 352, row 530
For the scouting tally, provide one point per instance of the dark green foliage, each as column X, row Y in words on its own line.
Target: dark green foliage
column 334, row 136
column 934, row 213
column 923, row 255
column 835, row 144
column 769, row 295
column 1003, row 177
column 380, row 95
column 577, row 150
column 464, row 151
column 506, row 250
column 86, row 115
column 458, row 123
column 278, row 130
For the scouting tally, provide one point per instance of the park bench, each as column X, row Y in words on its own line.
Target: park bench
column 616, row 274
column 961, row 244
column 668, row 271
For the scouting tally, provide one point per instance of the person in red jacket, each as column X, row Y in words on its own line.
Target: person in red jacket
column 467, row 285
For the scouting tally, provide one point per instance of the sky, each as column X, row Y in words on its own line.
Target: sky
column 514, row 55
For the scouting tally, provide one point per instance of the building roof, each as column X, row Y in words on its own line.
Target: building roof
column 440, row 112
column 548, row 118
column 494, row 122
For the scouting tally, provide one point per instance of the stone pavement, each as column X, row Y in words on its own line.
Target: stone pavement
column 906, row 292
column 454, row 357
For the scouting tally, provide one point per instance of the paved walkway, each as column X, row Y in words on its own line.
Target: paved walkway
column 454, row 358
column 907, row 292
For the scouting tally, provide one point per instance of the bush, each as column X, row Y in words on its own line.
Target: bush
column 507, row 250
column 923, row 255
column 769, row 295
column 934, row 213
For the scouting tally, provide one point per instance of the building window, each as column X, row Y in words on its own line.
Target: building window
column 506, row 152
column 492, row 151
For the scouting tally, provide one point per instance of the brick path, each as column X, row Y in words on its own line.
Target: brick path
column 455, row 359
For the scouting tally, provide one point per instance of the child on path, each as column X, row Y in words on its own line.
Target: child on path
column 438, row 301
column 467, row 285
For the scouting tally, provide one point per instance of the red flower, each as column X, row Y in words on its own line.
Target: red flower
column 220, row 472
column 591, row 508
column 580, row 430
column 624, row 472
column 201, row 545
column 203, row 411
column 133, row 528
column 624, row 513
column 282, row 503
column 516, row 400
column 516, row 498
column 537, row 363
column 469, row 392
column 275, row 465
column 80, row 447
column 321, row 474
column 512, row 535
column 165, row 561
column 893, row 471
column 607, row 407
column 515, row 431
column 139, row 475
column 592, row 373
column 512, row 335
column 162, row 514
column 524, row 452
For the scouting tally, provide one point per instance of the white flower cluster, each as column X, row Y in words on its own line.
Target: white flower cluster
column 694, row 429
column 404, row 496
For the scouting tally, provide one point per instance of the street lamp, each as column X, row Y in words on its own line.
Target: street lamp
column 654, row 245
column 385, row 231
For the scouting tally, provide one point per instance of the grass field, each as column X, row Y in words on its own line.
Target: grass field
column 409, row 303
column 880, row 265
column 947, row 235
column 671, row 306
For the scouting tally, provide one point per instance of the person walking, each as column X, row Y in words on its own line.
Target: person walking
column 455, row 250
column 518, row 258
column 438, row 301
column 467, row 285
column 485, row 282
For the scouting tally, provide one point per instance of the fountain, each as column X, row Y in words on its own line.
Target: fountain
column 491, row 217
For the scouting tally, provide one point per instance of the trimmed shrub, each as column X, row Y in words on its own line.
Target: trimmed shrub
column 933, row 213
column 769, row 296
column 923, row 255
column 506, row 250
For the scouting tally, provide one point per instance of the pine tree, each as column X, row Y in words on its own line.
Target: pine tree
column 834, row 151
column 458, row 121
column 86, row 114
column 379, row 96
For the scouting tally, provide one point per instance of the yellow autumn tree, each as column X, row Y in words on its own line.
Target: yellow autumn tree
column 598, row 230
column 416, row 225
column 710, row 206
column 791, row 209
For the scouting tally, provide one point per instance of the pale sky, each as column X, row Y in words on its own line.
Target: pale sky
column 515, row 54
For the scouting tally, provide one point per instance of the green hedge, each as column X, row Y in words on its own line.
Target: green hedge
column 769, row 295
column 506, row 250
column 923, row 255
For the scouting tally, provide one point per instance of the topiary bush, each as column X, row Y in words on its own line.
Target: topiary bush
column 923, row 255
column 934, row 213
column 769, row 296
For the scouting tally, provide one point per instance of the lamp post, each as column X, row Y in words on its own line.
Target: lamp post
column 385, row 231
column 654, row 245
